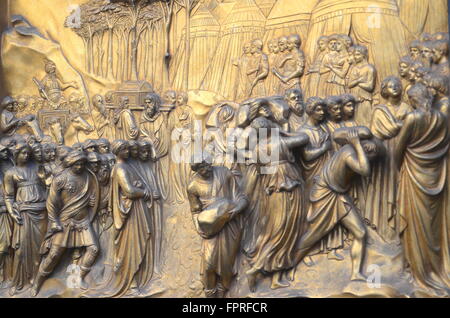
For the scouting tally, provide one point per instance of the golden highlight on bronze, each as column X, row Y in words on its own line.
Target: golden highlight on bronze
column 224, row 148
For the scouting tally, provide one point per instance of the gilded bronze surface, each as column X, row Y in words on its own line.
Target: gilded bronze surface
column 224, row 148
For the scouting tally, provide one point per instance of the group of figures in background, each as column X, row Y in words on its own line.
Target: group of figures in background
column 345, row 166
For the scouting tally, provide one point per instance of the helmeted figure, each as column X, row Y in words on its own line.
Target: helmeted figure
column 72, row 204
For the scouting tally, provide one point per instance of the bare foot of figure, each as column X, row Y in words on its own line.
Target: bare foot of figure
column 333, row 254
column 251, row 279
column 358, row 277
column 308, row 261
column 290, row 275
column 277, row 283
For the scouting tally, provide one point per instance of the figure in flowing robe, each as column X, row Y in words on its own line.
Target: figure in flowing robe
column 6, row 221
column 316, row 153
column 133, row 258
column 313, row 74
column 336, row 65
column 103, row 221
column 154, row 128
column 361, row 83
column 25, row 197
column 145, row 168
column 125, row 122
column 283, row 205
column 421, row 154
column 216, row 188
column 243, row 82
column 271, row 80
column 386, row 123
column 258, row 69
column 181, row 127
column 292, row 65
column 332, row 205
column 335, row 239
column 100, row 117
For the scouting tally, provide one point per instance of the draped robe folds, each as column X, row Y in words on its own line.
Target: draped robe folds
column 145, row 171
column 102, row 223
column 272, row 81
column 293, row 61
column 243, row 83
column 335, row 239
column 6, row 223
column 335, row 85
column 219, row 252
column 26, row 193
column 181, row 123
column 363, row 111
column 312, row 79
column 422, row 181
column 330, row 201
column 133, row 258
column 284, row 213
column 380, row 206
column 155, row 129
column 312, row 168
column 373, row 23
column 126, row 127
column 103, row 126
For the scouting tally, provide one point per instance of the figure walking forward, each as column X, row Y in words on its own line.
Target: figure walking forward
column 71, row 206
column 215, row 189
column 331, row 203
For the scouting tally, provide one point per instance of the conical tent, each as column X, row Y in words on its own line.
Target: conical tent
column 289, row 17
column 204, row 35
column 265, row 5
column 375, row 24
column 423, row 16
column 220, row 9
column 244, row 23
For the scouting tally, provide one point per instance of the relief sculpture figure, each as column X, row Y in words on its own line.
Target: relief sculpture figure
column 216, row 203
column 71, row 205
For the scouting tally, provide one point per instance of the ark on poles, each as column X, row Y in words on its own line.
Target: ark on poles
column 204, row 37
column 244, row 23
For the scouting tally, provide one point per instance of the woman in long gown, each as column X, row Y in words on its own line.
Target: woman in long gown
column 284, row 206
column 386, row 123
column 25, row 199
column 313, row 75
column 181, row 125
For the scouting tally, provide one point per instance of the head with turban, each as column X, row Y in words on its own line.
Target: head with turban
column 120, row 148
column 76, row 161
column 103, row 145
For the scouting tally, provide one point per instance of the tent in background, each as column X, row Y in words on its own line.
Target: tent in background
column 244, row 23
column 204, row 36
column 423, row 16
column 375, row 24
column 265, row 6
column 288, row 17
